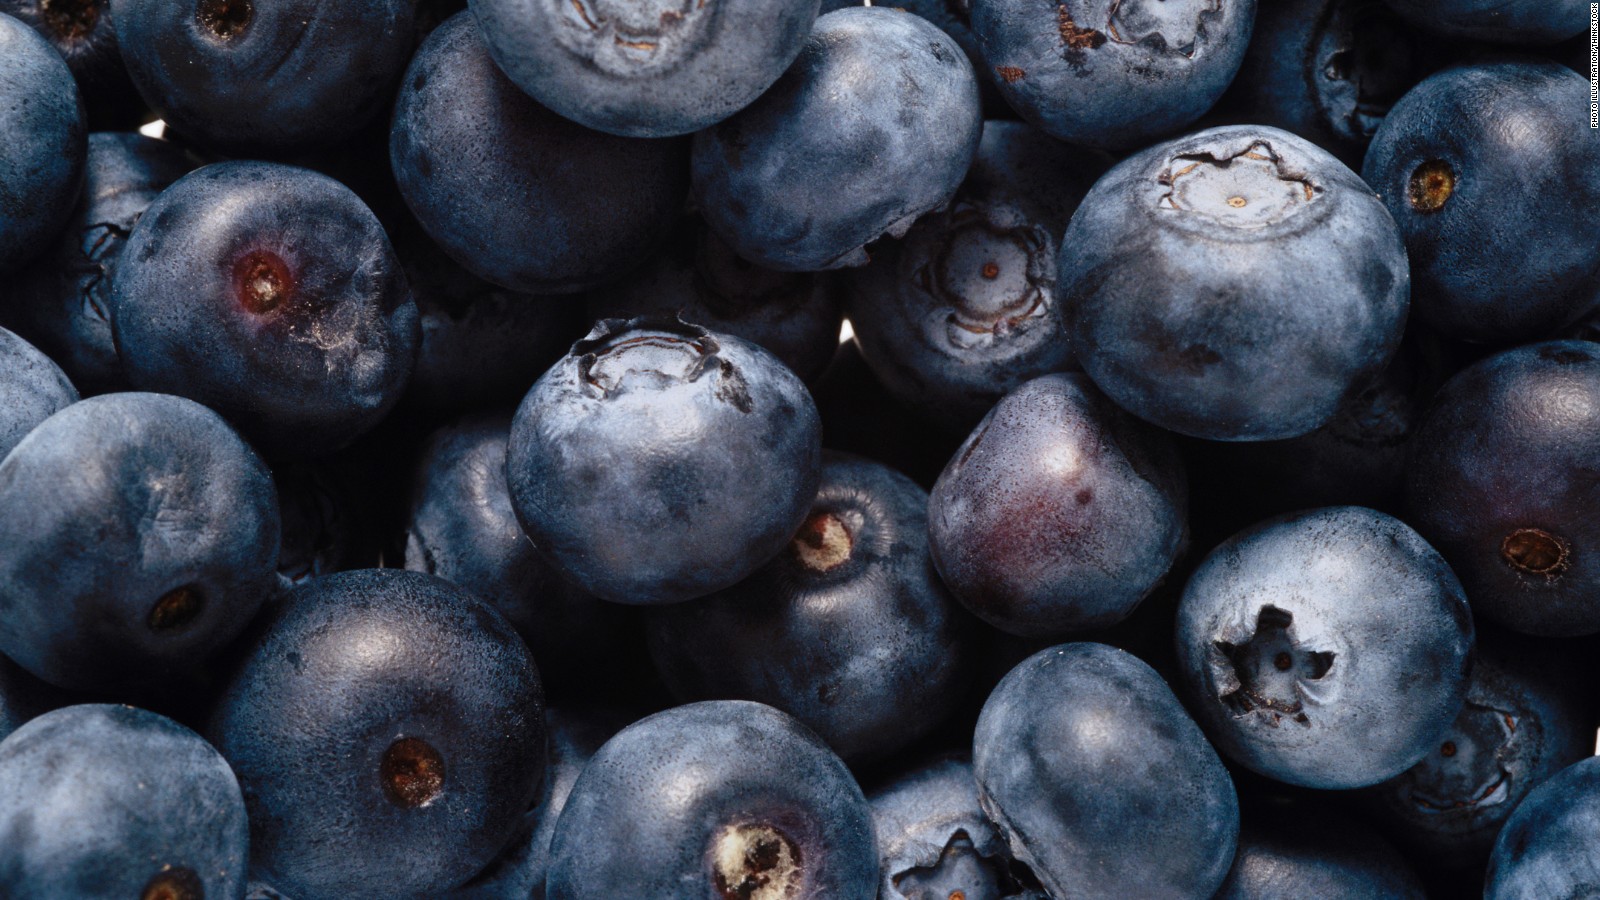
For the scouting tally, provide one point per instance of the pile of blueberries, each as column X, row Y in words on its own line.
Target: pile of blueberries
column 432, row 467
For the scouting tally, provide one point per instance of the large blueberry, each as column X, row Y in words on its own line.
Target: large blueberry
column 1303, row 851
column 659, row 461
column 32, row 389
column 724, row 799
column 1236, row 284
column 42, row 143
column 1498, row 21
column 1328, row 649
column 1546, row 848
column 874, row 124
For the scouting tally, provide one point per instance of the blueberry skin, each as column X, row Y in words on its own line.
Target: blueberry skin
column 63, row 300
column 112, row 801
column 1326, row 649
column 644, row 70
column 659, row 461
column 965, row 307
column 43, row 142
column 82, row 32
column 953, row 19
column 1112, row 73
column 1490, row 177
column 880, row 109
column 183, row 522
column 1059, row 513
column 848, row 629
column 1546, row 847
column 1293, row 852
column 387, row 728
column 264, row 77
column 1498, row 21
column 32, row 389
column 724, row 798
column 1182, row 260
column 1099, row 780
column 570, row 208
column 271, row 294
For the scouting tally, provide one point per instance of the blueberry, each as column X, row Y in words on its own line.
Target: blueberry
column 874, row 124
column 848, row 629
column 965, row 308
column 1099, row 780
column 1112, row 73
column 32, row 389
column 1300, row 852
column 271, row 294
column 113, row 801
column 42, row 143
column 1490, row 176
column 1059, row 513
column 569, row 207
column 654, row 69
column 953, row 18
column 1177, row 271
column 725, row 799
column 82, row 32
column 1327, row 649
column 388, row 731
column 1546, row 847
column 659, row 461
column 1498, row 21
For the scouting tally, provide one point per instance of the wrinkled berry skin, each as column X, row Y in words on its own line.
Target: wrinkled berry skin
column 82, row 32
column 1099, row 780
column 724, row 798
column 658, row 461
column 271, row 294
column 354, row 669
column 847, row 629
column 1059, row 513
column 1327, row 649
column 645, row 70
column 264, row 77
column 1112, row 73
column 965, row 307
column 1290, row 852
column 43, row 143
column 1490, row 176
column 1546, row 847
column 1498, row 21
column 1180, row 265
column 570, row 207
column 112, row 801
column 182, row 520
column 1503, row 480
column 880, row 103
column 32, row 389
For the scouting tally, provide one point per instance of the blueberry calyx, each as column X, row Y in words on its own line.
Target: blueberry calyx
column 1253, row 188
column 412, row 773
column 1148, row 21
column 1534, row 551
column 226, row 19
column 1431, row 186
column 175, row 883
column 70, row 19
column 755, row 861
column 1469, row 771
column 826, row 540
column 658, row 352
column 1267, row 672
column 1014, row 257
column 262, row 281
column 176, row 608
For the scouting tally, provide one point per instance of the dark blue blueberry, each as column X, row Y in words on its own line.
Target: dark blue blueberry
column 656, row 69
column 1101, row 783
column 387, row 728
column 1546, row 848
column 1112, row 73
column 1059, row 513
column 1498, row 21
column 271, row 294
column 512, row 191
column 43, row 143
column 874, row 125
column 1327, row 649
column 32, row 389
column 1296, row 851
column 1179, row 269
column 1490, row 175
column 264, row 77
column 82, row 32
column 965, row 308
column 725, row 799
column 138, row 534
column 113, row 801
column 848, row 629
column 952, row 17
column 658, row 461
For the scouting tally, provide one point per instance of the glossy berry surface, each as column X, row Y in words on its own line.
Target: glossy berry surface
column 1543, row 850
column 42, row 143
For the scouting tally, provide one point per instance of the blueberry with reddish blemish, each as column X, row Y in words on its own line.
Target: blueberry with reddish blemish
column 1545, row 848
column 112, row 801
column 82, row 32
column 648, row 70
column 1501, row 481
column 1060, row 512
column 1326, row 649
column 32, row 389
column 1099, row 780
column 659, row 461
column 1521, row 22
column 725, row 799
column 387, row 728
column 514, row 192
column 1178, row 271
column 271, row 294
column 138, row 535
column 848, row 629
column 880, row 103
column 1491, row 179
column 43, row 144
column 965, row 307
column 1306, row 850
column 1112, row 73
column 266, row 78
